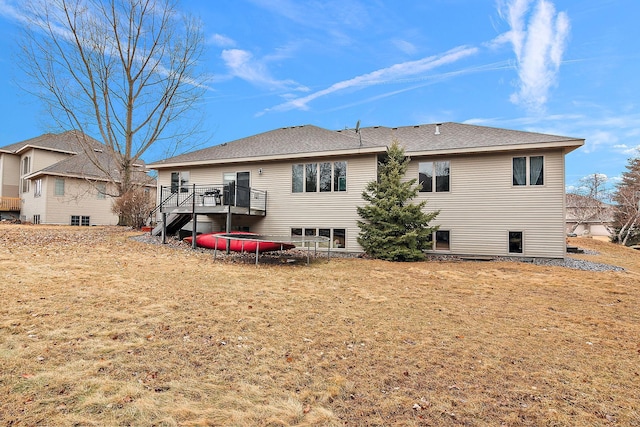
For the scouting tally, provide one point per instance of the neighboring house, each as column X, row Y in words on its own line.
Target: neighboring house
column 499, row 192
column 51, row 180
column 588, row 217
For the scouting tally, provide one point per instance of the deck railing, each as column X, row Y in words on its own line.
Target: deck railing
column 213, row 195
column 10, row 204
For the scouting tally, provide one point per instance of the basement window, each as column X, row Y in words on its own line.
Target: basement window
column 515, row 242
column 78, row 220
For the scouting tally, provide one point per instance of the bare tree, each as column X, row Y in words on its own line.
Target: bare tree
column 627, row 199
column 588, row 203
column 124, row 69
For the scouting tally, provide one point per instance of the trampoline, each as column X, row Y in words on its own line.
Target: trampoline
column 310, row 242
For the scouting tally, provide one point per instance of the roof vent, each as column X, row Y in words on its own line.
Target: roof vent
column 98, row 150
column 438, row 128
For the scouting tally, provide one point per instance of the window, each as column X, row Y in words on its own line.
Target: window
column 101, row 188
column 310, row 175
column 535, row 169
column 26, row 165
column 25, row 185
column 37, row 188
column 515, row 242
column 339, row 238
column 336, row 237
column 340, row 176
column 325, row 177
column 325, row 232
column 59, row 187
column 319, row 177
column 297, row 175
column 442, row 240
column 428, row 170
column 83, row 220
column 36, row 219
column 180, row 182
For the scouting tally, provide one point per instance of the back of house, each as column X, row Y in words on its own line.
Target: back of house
column 500, row 192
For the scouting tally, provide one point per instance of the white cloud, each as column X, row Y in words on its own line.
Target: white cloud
column 398, row 72
column 405, row 46
column 243, row 65
column 222, row 40
column 539, row 36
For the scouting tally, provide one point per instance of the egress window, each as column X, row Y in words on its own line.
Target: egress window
column 528, row 170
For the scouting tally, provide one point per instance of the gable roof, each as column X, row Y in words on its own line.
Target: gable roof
column 65, row 142
column 312, row 141
column 78, row 164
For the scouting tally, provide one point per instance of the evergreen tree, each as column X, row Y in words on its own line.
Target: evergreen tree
column 393, row 228
column 627, row 199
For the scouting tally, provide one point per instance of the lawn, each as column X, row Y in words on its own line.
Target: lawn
column 98, row 329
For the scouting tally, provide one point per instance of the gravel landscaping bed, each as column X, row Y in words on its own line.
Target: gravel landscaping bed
column 567, row 262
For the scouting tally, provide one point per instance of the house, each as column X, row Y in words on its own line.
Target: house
column 587, row 216
column 51, row 179
column 500, row 192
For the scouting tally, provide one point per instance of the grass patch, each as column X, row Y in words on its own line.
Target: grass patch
column 97, row 329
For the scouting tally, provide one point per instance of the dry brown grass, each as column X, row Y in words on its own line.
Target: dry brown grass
column 97, row 329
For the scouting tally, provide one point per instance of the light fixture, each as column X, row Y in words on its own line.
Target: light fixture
column 260, row 171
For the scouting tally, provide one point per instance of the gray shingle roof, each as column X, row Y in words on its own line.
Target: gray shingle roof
column 279, row 142
column 298, row 140
column 455, row 136
column 78, row 163
column 65, row 142
column 81, row 166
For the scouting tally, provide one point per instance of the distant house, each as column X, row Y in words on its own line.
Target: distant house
column 500, row 192
column 50, row 179
column 588, row 217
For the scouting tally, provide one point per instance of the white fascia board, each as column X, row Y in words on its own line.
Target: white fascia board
column 500, row 148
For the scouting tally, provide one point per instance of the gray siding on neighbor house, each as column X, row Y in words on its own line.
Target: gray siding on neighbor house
column 482, row 205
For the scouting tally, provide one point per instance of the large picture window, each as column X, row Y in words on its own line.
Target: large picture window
column 440, row 170
column 319, row 177
column 528, row 167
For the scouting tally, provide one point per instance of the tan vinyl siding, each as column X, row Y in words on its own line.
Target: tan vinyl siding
column 480, row 209
column 316, row 210
column 80, row 198
column 10, row 179
column 41, row 159
column 285, row 209
column 482, row 205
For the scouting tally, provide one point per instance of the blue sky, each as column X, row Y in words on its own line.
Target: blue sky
column 567, row 67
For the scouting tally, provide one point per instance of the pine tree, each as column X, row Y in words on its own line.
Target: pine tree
column 393, row 228
column 627, row 199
